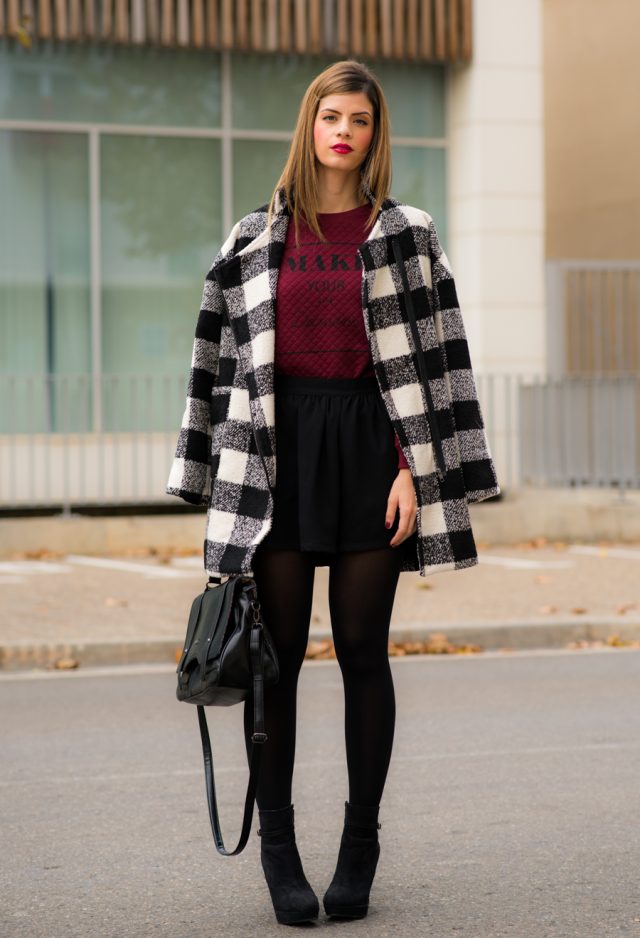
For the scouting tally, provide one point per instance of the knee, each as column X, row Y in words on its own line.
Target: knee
column 360, row 654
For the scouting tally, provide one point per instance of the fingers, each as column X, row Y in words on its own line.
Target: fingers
column 407, row 523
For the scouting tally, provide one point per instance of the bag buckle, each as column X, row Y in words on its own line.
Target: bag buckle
column 259, row 738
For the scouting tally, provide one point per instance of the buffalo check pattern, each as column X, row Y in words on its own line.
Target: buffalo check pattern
column 225, row 457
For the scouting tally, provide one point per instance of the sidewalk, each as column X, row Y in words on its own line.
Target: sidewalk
column 133, row 608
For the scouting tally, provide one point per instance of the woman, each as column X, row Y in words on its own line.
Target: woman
column 309, row 329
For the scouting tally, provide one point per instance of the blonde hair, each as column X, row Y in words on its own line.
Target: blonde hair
column 299, row 178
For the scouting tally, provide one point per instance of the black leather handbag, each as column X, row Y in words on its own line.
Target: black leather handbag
column 228, row 656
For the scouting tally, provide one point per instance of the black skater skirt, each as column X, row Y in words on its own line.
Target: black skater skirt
column 335, row 464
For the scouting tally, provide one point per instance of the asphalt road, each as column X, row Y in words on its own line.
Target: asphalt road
column 511, row 809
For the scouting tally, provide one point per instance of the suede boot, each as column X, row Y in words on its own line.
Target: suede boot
column 348, row 893
column 294, row 900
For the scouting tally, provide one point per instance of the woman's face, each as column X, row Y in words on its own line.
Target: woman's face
column 343, row 119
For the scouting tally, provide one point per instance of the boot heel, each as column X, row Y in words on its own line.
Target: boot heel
column 348, row 893
column 294, row 901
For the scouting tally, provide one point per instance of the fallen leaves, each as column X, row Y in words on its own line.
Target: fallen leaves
column 66, row 664
column 612, row 641
column 436, row 644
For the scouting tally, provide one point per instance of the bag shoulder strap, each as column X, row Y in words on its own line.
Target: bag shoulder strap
column 257, row 739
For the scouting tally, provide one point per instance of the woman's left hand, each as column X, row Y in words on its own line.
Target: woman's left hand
column 402, row 496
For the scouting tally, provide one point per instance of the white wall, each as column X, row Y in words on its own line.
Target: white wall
column 495, row 183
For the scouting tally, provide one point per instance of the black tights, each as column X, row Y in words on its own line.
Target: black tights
column 362, row 586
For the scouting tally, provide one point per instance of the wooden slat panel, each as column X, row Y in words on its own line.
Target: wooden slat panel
column 300, row 25
column 342, row 34
column 371, row 27
column 182, row 22
column 466, row 17
column 440, row 30
column 356, row 29
column 75, row 31
column 13, row 17
column 315, row 26
column 241, row 26
column 167, row 24
column 61, row 25
column 425, row 48
column 398, row 29
column 44, row 26
column 122, row 21
column 453, row 27
column 272, row 26
column 213, row 32
column 385, row 29
column 153, row 21
column 138, row 24
column 424, row 30
column 90, row 25
column 106, row 20
column 256, row 41
column 284, row 22
column 412, row 29
column 226, row 25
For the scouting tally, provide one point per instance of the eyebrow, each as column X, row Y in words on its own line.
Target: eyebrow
column 337, row 112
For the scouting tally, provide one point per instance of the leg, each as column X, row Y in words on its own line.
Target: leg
column 362, row 587
column 284, row 580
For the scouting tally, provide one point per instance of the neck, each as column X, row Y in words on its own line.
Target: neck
column 339, row 193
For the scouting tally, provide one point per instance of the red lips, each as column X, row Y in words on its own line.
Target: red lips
column 342, row 148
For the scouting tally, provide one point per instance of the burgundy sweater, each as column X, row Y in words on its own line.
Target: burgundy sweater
column 319, row 327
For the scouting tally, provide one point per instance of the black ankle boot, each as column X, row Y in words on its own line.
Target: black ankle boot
column 294, row 900
column 348, row 893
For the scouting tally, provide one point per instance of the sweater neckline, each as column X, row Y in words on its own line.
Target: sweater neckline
column 348, row 211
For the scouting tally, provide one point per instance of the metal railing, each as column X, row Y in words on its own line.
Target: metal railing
column 573, row 431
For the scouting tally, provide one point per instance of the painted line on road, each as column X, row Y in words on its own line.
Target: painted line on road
column 32, row 566
column 522, row 563
column 623, row 553
column 128, row 566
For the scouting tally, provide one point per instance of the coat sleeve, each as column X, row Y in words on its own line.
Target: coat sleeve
column 478, row 469
column 190, row 473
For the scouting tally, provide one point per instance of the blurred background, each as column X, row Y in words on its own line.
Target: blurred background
column 134, row 133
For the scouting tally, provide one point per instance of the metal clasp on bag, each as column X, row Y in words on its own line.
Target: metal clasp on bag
column 259, row 738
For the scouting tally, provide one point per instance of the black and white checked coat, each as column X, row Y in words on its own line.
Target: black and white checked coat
column 225, row 456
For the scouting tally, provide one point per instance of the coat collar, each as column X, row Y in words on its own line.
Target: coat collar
column 249, row 283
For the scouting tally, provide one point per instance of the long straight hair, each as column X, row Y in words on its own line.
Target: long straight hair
column 300, row 176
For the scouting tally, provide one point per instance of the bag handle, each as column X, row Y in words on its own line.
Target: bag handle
column 256, row 646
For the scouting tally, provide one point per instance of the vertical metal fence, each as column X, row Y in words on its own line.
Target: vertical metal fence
column 572, row 431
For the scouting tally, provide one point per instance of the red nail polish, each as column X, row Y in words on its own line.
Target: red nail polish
column 387, row 524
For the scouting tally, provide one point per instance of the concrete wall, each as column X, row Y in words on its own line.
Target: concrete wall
column 496, row 187
column 592, row 121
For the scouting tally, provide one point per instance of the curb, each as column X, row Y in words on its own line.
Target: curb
column 516, row 635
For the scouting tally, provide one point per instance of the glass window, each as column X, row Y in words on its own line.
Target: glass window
column 160, row 230
column 419, row 178
column 282, row 79
column 111, row 84
column 416, row 97
column 45, row 321
column 257, row 165
column 415, row 94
